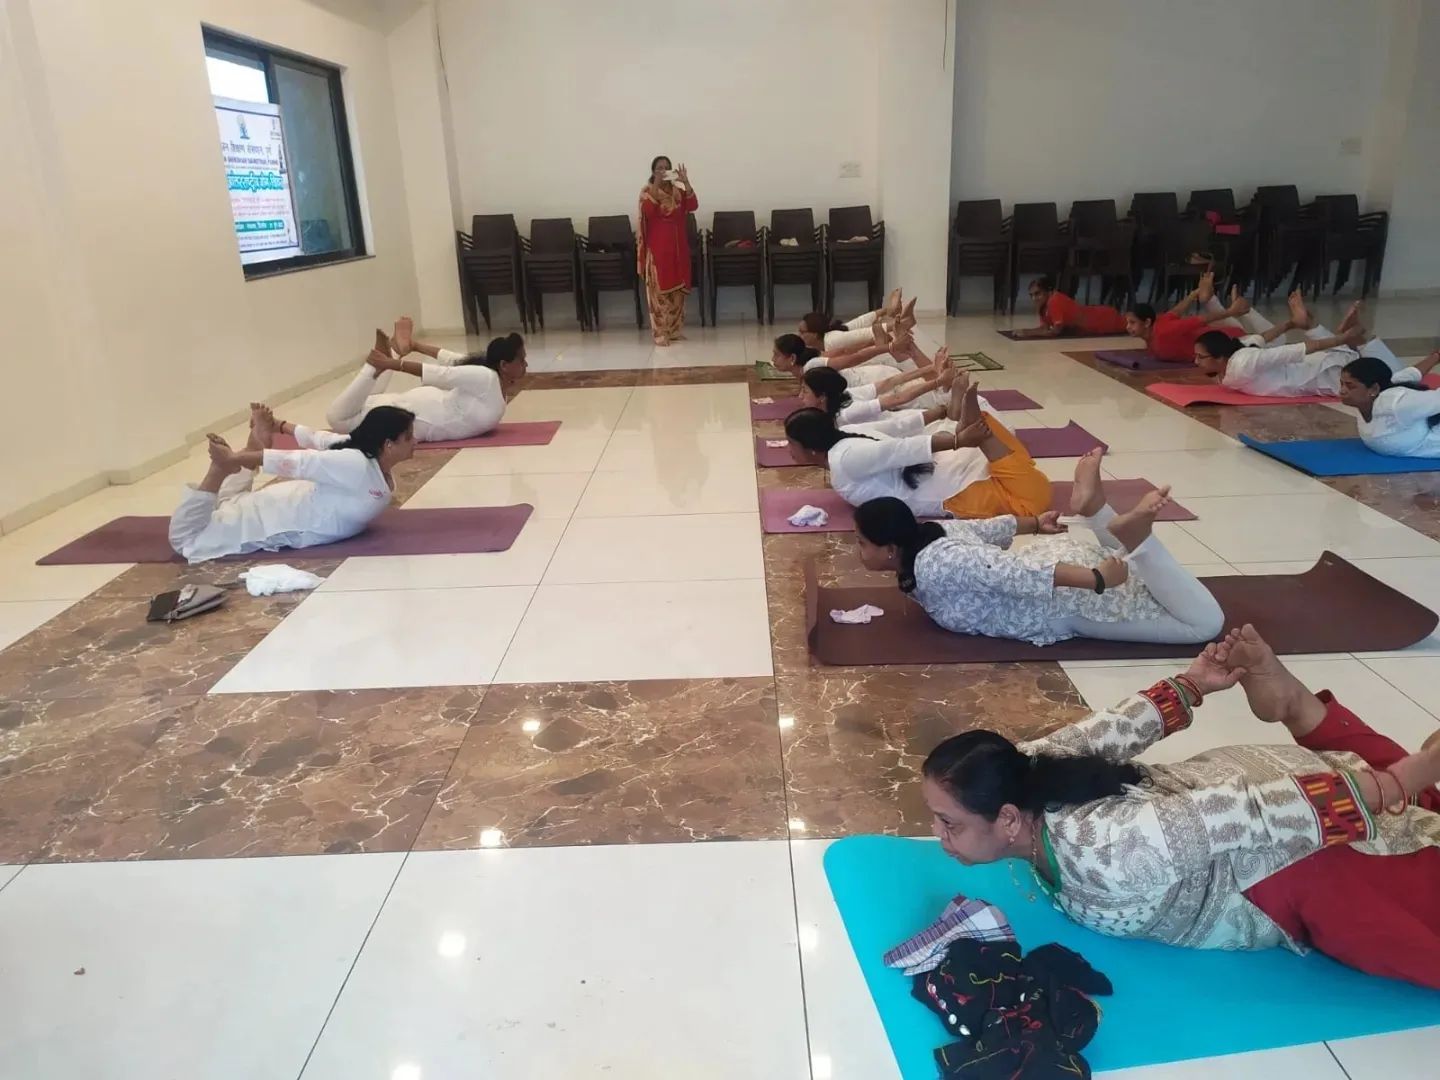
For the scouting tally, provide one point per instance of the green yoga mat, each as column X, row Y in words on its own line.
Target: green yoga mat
column 1170, row 1004
column 766, row 370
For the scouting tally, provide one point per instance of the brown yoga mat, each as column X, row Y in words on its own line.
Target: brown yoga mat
column 450, row 530
column 1333, row 607
column 518, row 433
column 1068, row 335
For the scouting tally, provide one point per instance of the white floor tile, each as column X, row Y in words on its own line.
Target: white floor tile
column 523, row 564
column 661, row 630
column 1417, row 677
column 676, row 486
column 1270, row 528
column 19, row 617
column 568, row 452
column 1226, row 720
column 1312, row 1062
column 1400, row 1055
column 1230, row 471
column 847, row 1039
column 554, row 495
column 683, row 547
column 223, row 969
column 587, row 411
column 651, row 450
column 8, row 874
column 662, row 960
column 23, row 581
column 678, row 409
column 387, row 638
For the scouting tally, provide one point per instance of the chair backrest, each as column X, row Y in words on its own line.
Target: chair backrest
column 1221, row 200
column 1092, row 217
column 1340, row 211
column 1186, row 235
column 847, row 222
column 1036, row 223
column 1278, row 202
column 552, row 236
column 979, row 219
column 733, row 225
column 1152, row 209
column 792, row 224
column 612, row 230
column 491, row 231
column 692, row 230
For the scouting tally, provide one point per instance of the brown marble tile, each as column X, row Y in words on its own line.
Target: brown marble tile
column 1412, row 499
column 262, row 774
column 580, row 380
column 410, row 476
column 696, row 376
column 854, row 739
column 616, row 762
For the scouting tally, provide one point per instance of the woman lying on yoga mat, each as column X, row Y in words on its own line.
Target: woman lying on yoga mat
column 830, row 337
column 460, row 397
column 871, row 364
column 1331, row 844
column 338, row 485
column 1398, row 416
column 978, row 471
column 825, row 389
column 1172, row 335
column 1061, row 315
column 1253, row 366
column 964, row 576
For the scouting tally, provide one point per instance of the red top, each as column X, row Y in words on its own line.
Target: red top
column 664, row 237
column 1063, row 311
column 1173, row 336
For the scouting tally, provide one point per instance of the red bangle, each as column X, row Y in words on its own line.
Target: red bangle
column 1191, row 687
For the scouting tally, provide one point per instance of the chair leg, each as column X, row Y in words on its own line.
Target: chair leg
column 760, row 302
column 483, row 299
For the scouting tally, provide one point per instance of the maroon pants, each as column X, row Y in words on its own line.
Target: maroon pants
column 1378, row 913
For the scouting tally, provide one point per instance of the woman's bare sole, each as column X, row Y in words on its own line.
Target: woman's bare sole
column 1087, row 495
column 1299, row 313
column 1134, row 527
column 1275, row 695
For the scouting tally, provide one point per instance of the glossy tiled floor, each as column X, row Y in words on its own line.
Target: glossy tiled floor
column 447, row 816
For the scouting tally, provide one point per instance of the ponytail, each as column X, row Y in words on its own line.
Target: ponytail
column 1219, row 344
column 793, row 346
column 830, row 387
column 984, row 771
column 887, row 522
column 382, row 424
column 816, row 431
column 1375, row 374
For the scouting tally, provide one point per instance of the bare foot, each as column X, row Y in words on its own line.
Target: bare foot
column 1238, row 304
column 1205, row 291
column 222, row 458
column 972, row 434
column 382, row 343
column 881, row 335
column 1275, row 695
column 403, row 337
column 379, row 359
column 1432, row 743
column 1087, row 495
column 662, row 342
column 1299, row 313
column 1134, row 527
column 1352, row 318
column 892, row 304
column 262, row 426
column 958, row 389
column 907, row 313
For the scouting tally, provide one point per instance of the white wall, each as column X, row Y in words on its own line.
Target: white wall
column 1412, row 257
column 166, row 334
column 1104, row 98
column 559, row 106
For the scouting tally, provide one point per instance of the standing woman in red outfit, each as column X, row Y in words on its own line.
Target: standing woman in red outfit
column 664, row 248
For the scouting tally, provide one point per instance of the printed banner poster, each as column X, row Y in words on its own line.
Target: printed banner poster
column 252, row 141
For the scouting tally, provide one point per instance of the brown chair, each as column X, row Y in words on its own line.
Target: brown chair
column 489, row 257
column 979, row 247
column 1152, row 212
column 1181, row 239
column 1092, row 238
column 1238, row 250
column 848, row 257
column 735, row 255
column 799, row 262
column 607, row 264
column 697, row 265
column 1291, row 240
column 1038, row 244
column 550, row 259
column 1351, row 235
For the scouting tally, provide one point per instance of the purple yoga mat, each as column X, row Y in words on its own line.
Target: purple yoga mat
column 772, row 457
column 777, row 504
column 777, row 409
column 999, row 400
column 1135, row 360
column 1072, row 440
column 1069, row 334
column 521, row 433
column 450, row 530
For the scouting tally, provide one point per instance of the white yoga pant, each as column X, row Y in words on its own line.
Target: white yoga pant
column 856, row 335
column 197, row 508
column 350, row 407
column 1252, row 322
column 1192, row 614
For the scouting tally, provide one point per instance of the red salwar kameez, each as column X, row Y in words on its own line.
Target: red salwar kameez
column 664, row 257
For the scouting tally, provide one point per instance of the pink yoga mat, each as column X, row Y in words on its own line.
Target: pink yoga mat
column 451, row 530
column 522, row 433
column 1072, row 440
column 777, row 504
column 1138, row 360
column 999, row 400
column 776, row 409
column 1185, row 394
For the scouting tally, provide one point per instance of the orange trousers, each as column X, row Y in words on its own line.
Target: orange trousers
column 1016, row 485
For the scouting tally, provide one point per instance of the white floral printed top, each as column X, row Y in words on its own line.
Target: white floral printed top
column 1170, row 860
column 971, row 583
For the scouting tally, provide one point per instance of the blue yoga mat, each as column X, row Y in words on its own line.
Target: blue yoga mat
column 1338, row 457
column 1169, row 1004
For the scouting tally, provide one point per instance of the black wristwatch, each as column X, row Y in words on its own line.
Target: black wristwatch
column 1099, row 582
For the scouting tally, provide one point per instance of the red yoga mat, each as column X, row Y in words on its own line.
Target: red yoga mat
column 450, row 530
column 1186, row 394
column 1333, row 607
column 521, row 433
column 777, row 504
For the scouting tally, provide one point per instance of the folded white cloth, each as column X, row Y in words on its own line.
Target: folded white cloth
column 276, row 578
column 862, row 614
column 809, row 515
column 789, row 241
column 776, row 444
column 762, row 401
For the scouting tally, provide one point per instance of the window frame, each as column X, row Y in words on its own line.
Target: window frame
column 223, row 41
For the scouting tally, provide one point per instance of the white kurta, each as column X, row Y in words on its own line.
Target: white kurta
column 1286, row 370
column 452, row 402
column 862, row 469
column 1399, row 423
column 329, row 495
column 868, row 373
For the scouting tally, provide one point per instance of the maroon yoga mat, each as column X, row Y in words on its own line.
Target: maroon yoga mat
column 520, row 433
column 777, row 504
column 1069, row 335
column 772, row 457
column 1333, row 607
column 1072, row 440
column 450, row 530
column 1135, row 360
column 775, row 409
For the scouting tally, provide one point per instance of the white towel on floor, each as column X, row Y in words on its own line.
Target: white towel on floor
column 809, row 515
column 276, row 578
column 862, row 614
column 776, row 444
column 762, row 401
